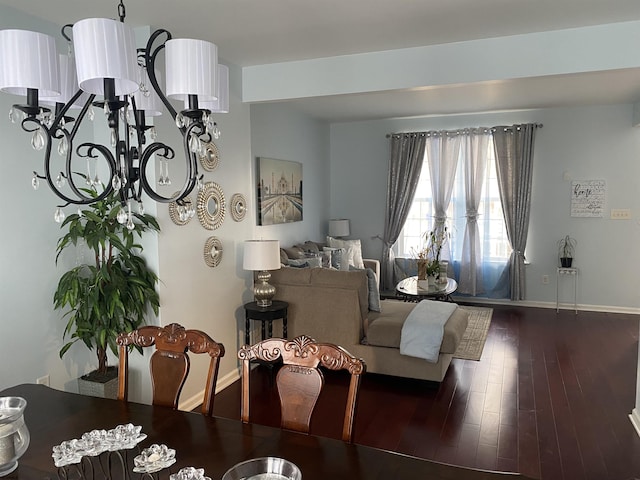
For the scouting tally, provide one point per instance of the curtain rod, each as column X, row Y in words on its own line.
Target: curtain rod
column 388, row 135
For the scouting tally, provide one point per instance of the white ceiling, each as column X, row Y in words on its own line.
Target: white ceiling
column 255, row 32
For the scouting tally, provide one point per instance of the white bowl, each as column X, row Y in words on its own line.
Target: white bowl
column 264, row 468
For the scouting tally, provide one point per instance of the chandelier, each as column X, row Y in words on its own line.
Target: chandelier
column 104, row 71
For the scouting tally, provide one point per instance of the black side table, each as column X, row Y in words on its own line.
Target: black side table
column 278, row 309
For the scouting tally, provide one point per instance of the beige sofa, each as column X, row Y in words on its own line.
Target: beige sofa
column 332, row 306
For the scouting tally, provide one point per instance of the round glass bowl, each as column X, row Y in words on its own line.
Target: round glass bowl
column 14, row 435
column 264, row 468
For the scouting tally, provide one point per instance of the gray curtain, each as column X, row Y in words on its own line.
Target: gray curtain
column 475, row 167
column 407, row 156
column 514, row 162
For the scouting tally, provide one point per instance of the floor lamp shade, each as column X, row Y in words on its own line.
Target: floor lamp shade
column 339, row 227
column 262, row 256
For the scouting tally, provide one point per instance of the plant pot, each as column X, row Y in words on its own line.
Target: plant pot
column 565, row 262
column 95, row 385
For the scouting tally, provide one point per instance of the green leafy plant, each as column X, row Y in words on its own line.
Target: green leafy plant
column 113, row 294
column 428, row 257
column 567, row 247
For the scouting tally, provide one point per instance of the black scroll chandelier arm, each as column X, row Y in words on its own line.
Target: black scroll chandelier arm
column 163, row 151
column 150, row 55
column 110, row 161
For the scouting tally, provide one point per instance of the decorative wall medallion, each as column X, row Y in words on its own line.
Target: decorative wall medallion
column 210, row 157
column 212, row 251
column 238, row 207
column 181, row 214
column 211, row 206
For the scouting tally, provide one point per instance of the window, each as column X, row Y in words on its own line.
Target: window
column 494, row 243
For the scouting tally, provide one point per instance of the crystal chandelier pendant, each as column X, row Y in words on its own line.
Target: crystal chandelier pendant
column 180, row 120
column 63, row 147
column 59, row 180
column 130, row 224
column 140, row 208
column 191, row 211
column 59, row 216
column 116, row 183
column 37, row 140
column 194, row 143
column 182, row 213
column 199, row 184
column 153, row 134
column 35, row 181
column 216, row 131
column 91, row 113
column 114, row 138
column 121, row 216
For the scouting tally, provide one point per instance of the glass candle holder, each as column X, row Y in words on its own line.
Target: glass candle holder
column 14, row 435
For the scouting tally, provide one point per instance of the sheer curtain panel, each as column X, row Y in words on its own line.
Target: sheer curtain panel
column 407, row 153
column 476, row 145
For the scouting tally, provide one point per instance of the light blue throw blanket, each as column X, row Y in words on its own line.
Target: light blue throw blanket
column 423, row 329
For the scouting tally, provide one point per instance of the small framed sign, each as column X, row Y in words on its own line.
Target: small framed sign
column 588, row 198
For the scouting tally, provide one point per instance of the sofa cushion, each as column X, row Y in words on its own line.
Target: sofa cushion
column 374, row 292
column 384, row 330
column 292, row 276
column 294, row 252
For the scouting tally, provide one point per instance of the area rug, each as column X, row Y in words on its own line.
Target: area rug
column 475, row 335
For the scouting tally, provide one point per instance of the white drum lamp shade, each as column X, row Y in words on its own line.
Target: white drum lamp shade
column 221, row 105
column 339, row 227
column 105, row 48
column 149, row 102
column 29, row 60
column 261, row 256
column 191, row 69
column 68, row 84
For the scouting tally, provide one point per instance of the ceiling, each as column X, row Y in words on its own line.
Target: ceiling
column 256, row 32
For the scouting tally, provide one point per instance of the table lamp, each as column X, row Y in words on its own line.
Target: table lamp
column 339, row 227
column 261, row 256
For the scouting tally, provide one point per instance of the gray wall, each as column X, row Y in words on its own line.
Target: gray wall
column 588, row 143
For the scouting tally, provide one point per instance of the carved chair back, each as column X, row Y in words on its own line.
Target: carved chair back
column 300, row 380
column 169, row 364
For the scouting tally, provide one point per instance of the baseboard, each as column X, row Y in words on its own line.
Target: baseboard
column 550, row 305
column 635, row 420
column 195, row 400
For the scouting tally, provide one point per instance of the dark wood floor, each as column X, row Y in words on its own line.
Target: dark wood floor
column 550, row 398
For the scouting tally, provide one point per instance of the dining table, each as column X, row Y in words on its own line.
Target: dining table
column 214, row 444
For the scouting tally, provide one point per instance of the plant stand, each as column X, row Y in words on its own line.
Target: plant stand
column 573, row 272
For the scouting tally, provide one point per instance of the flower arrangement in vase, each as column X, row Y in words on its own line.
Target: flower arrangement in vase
column 428, row 258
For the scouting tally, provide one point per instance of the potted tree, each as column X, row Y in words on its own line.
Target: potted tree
column 566, row 248
column 114, row 292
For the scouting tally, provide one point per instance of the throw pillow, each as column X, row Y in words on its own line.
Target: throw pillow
column 339, row 258
column 325, row 255
column 374, row 293
column 298, row 262
column 356, row 258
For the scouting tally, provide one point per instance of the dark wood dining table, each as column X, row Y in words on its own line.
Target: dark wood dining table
column 212, row 443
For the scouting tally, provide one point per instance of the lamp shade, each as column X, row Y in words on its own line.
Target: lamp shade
column 105, row 48
column 68, row 84
column 221, row 105
column 339, row 227
column 261, row 255
column 29, row 60
column 191, row 67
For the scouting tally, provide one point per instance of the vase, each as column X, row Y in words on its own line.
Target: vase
column 443, row 271
column 432, row 280
column 422, row 269
column 14, row 435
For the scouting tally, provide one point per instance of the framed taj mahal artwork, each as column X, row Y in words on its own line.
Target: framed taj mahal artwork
column 279, row 191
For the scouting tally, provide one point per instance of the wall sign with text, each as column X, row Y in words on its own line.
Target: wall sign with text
column 587, row 198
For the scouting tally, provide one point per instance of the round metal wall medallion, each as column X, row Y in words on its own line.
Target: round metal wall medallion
column 211, row 206
column 213, row 251
column 181, row 214
column 238, row 207
column 210, row 157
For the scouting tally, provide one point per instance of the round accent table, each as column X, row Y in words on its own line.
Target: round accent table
column 277, row 310
column 409, row 291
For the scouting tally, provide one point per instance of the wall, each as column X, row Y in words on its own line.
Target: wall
column 278, row 131
column 591, row 142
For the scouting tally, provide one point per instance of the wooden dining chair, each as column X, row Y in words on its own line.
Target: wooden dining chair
column 299, row 381
column 170, row 363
